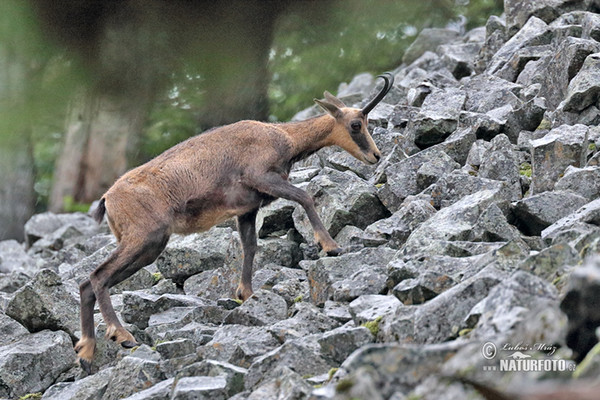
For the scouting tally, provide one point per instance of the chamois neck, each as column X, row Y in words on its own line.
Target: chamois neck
column 310, row 135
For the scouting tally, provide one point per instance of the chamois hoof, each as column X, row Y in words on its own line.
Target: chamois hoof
column 85, row 365
column 128, row 344
column 335, row 252
column 243, row 294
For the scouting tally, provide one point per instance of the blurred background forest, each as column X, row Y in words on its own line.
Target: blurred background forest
column 90, row 88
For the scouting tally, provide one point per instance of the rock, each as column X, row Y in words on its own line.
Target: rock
column 509, row 302
column 45, row 303
column 262, row 308
column 175, row 348
column 160, row 391
column 487, row 92
column 89, row 388
column 428, row 40
column 33, row 362
column 370, row 307
column 132, row 375
column 277, row 216
column 324, row 272
column 214, row 284
column 233, row 375
column 552, row 154
column 339, row 343
column 14, row 259
column 138, row 307
column 453, row 223
column 500, row 163
column 519, row 12
column 306, row 320
column 580, row 222
column 365, row 281
column 397, row 228
column 495, row 37
column 188, row 255
column 340, row 199
column 574, row 177
column 534, row 33
column 10, row 283
column 458, row 144
column 337, row 310
column 200, row 388
column 342, row 161
column 535, row 213
column 300, row 357
column 552, row 262
column 438, row 117
column 579, row 304
column 402, row 177
column 395, row 367
column 286, row 385
column 443, row 317
column 10, row 330
column 460, row 58
column 417, row 291
column 584, row 89
column 239, row 344
column 42, row 225
column 492, row 226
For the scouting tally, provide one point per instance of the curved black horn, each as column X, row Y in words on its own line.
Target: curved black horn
column 389, row 82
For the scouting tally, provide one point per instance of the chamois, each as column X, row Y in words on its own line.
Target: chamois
column 230, row 171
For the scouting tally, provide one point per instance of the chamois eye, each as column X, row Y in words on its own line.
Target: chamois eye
column 356, row 126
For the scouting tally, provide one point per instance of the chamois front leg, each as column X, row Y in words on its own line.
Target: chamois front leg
column 247, row 230
column 274, row 185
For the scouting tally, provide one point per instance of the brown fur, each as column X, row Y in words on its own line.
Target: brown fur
column 229, row 171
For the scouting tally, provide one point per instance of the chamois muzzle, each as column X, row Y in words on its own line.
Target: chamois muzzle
column 389, row 82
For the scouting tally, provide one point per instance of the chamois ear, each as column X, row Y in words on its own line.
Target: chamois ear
column 331, row 109
column 333, row 100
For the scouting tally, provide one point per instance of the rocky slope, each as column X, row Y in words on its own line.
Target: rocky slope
column 473, row 240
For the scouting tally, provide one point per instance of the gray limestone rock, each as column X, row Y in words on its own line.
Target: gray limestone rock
column 45, row 303
column 13, row 258
column 584, row 89
column 340, row 199
column 302, row 357
column 262, row 308
column 582, row 181
column 239, row 344
column 339, row 343
column 580, row 306
column 189, row 255
column 324, row 272
column 552, row 154
column 535, row 213
column 201, row 388
column 534, row 33
column 33, row 362
column 89, row 388
column 402, row 177
column 307, row 320
column 396, row 229
column 453, row 223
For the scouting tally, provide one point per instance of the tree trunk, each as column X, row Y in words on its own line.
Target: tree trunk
column 17, row 198
column 101, row 136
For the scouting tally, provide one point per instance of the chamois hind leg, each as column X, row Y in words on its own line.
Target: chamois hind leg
column 247, row 230
column 86, row 346
column 273, row 184
column 129, row 257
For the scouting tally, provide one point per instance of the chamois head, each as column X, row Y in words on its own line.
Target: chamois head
column 350, row 131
